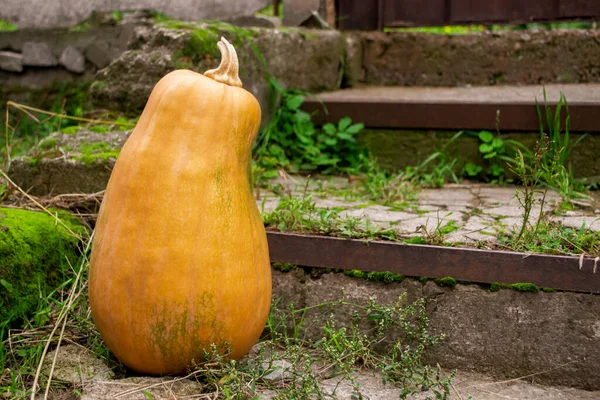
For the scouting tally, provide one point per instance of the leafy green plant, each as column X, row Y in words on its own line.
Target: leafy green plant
column 292, row 142
column 496, row 152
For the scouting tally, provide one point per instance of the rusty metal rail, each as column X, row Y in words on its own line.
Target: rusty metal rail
column 462, row 264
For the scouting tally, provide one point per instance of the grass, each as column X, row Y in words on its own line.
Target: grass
column 300, row 214
column 466, row 29
column 316, row 345
column 6, row 26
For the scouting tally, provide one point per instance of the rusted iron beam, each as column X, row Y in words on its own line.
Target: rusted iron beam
column 463, row 264
column 445, row 115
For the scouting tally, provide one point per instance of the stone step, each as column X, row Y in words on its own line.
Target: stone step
column 467, row 107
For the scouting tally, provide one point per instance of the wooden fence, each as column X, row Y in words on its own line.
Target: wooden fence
column 377, row 14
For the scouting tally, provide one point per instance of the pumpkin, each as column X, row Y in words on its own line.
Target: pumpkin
column 179, row 260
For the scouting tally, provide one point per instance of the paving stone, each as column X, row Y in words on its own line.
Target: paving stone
column 11, row 61
column 476, row 229
column 38, row 54
column 335, row 203
column 378, row 214
column 72, row 60
column 493, row 196
column 448, row 196
column 509, row 211
column 591, row 222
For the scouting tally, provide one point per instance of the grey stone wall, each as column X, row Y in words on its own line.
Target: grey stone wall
column 65, row 13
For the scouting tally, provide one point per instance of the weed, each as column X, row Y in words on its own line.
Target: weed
column 301, row 215
column 556, row 173
column 437, row 237
column 6, row 26
column 291, row 140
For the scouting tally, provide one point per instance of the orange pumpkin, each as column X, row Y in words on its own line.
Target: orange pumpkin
column 180, row 258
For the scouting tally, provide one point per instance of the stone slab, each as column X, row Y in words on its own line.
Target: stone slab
column 75, row 364
column 498, row 58
column 38, row 54
column 66, row 13
column 505, row 334
column 72, row 60
column 11, row 61
column 303, row 59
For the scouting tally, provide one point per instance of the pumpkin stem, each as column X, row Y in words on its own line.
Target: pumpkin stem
column 227, row 71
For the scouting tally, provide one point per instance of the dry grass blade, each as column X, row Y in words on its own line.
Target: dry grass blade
column 73, row 294
column 40, row 206
column 29, row 111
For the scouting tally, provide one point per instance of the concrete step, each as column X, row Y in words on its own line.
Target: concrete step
column 510, row 108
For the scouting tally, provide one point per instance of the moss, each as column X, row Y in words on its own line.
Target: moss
column 423, row 280
column 33, row 161
column 202, row 43
column 447, row 281
column 375, row 276
column 35, row 254
column 48, row 143
column 525, row 287
column 97, row 152
column 6, row 26
column 548, row 290
column 519, row 287
column 98, row 85
column 283, row 267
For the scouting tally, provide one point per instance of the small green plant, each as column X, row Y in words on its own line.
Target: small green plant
column 6, row 26
column 292, row 142
column 300, row 214
column 556, row 173
column 437, row 237
column 494, row 152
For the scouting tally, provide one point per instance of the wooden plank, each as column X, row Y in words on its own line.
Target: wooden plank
column 374, row 14
column 469, row 11
column 357, row 15
column 456, row 108
column 580, row 9
column 463, row 264
column 415, row 12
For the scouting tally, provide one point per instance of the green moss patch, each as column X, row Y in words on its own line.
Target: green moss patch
column 97, row 152
column 35, row 257
column 519, row 287
column 387, row 277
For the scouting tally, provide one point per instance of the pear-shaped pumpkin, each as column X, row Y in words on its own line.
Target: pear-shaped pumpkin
column 180, row 258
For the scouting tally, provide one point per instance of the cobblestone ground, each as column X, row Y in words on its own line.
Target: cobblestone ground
column 473, row 212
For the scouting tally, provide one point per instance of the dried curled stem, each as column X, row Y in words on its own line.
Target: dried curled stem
column 227, row 71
